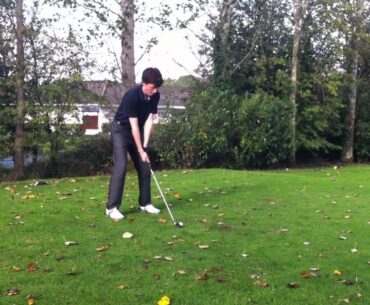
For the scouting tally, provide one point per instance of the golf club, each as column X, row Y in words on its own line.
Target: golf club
column 177, row 224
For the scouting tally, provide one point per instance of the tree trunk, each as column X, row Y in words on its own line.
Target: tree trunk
column 352, row 57
column 297, row 33
column 18, row 144
column 222, row 63
column 127, row 44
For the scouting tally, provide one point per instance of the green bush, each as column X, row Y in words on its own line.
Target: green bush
column 219, row 128
column 92, row 157
column 266, row 134
column 201, row 136
column 362, row 130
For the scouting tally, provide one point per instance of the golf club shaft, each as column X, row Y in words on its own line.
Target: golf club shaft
column 164, row 199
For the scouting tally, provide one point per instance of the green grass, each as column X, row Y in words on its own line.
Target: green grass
column 271, row 224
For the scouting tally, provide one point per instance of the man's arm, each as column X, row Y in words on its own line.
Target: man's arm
column 148, row 128
column 137, row 138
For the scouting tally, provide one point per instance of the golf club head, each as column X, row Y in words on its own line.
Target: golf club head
column 179, row 224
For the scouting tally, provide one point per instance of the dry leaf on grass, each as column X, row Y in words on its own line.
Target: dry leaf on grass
column 127, row 235
column 263, row 284
column 70, row 243
column 12, row 292
column 32, row 267
column 202, row 277
column 30, row 299
column 16, row 269
column 203, row 247
column 122, row 286
column 102, row 248
column 181, row 272
column 337, row 273
column 292, row 285
column 165, row 300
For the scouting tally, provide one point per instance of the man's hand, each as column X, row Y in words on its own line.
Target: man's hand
column 144, row 156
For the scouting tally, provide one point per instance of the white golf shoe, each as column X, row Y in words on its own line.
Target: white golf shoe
column 150, row 209
column 114, row 214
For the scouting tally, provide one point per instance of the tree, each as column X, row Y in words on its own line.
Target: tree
column 352, row 80
column 299, row 9
column 20, row 86
column 119, row 18
column 127, row 44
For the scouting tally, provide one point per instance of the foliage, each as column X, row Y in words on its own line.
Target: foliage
column 220, row 128
column 185, row 81
column 362, row 132
column 204, row 135
column 319, row 121
column 265, row 124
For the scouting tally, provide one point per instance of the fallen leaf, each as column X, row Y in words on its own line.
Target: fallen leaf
column 203, row 246
column 12, row 292
column 38, row 183
column 348, row 282
column 32, row 267
column 181, row 272
column 314, row 269
column 293, row 285
column 354, row 250
column 255, row 277
column 70, row 243
column 305, row 275
column 122, row 286
column 168, row 258
column 162, row 220
column 178, row 196
column 102, row 248
column 127, row 235
column 165, row 300
column 262, row 284
column 16, row 269
column 156, row 277
column 31, row 300
column 202, row 277
column 337, row 272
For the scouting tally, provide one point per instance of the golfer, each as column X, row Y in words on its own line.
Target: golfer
column 131, row 129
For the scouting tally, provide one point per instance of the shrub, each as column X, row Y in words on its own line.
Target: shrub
column 201, row 136
column 266, row 134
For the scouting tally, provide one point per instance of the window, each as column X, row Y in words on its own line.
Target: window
column 90, row 122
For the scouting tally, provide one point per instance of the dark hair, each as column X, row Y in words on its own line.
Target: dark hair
column 152, row 76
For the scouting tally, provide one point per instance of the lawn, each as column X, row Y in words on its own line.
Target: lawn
column 250, row 237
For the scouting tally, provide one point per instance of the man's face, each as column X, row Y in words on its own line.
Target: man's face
column 149, row 89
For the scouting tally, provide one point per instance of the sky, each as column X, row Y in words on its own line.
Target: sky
column 174, row 55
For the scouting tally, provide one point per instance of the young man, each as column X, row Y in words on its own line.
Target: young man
column 131, row 130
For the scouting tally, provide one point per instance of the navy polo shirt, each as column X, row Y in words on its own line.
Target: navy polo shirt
column 134, row 105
